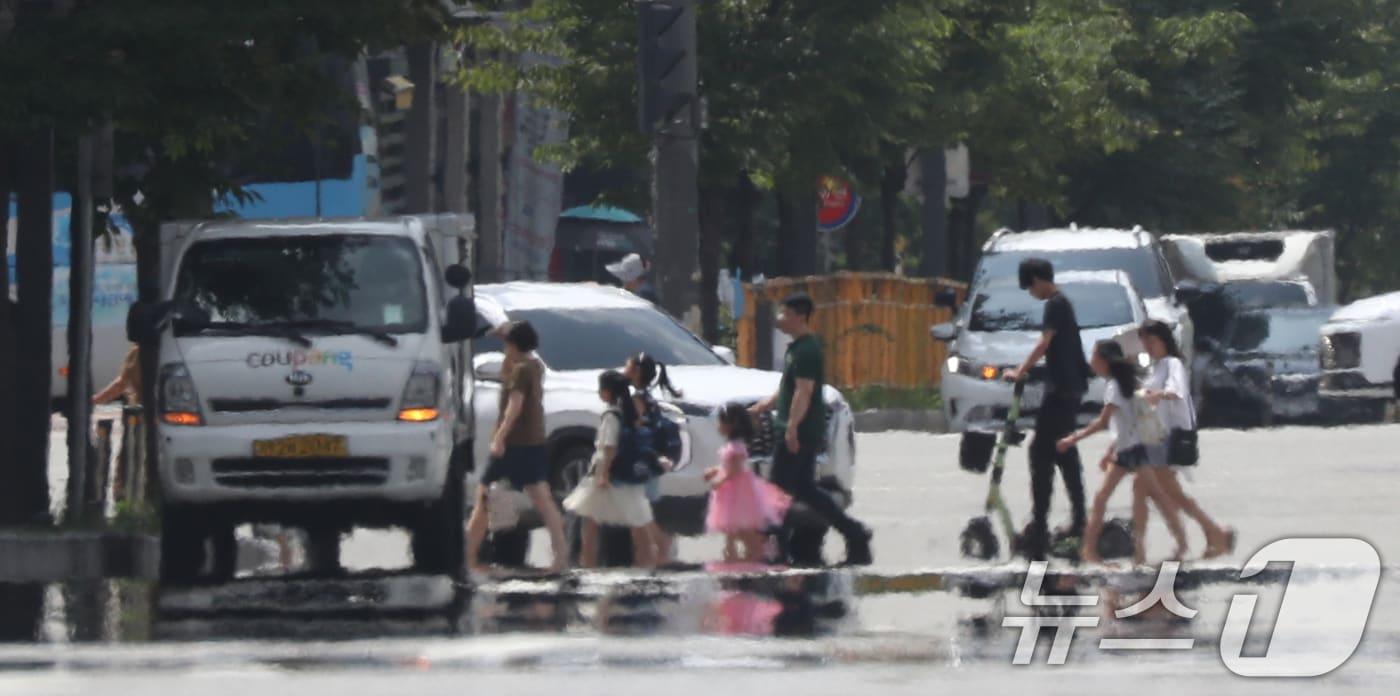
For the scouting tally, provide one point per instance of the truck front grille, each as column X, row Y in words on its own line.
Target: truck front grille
column 256, row 405
column 1341, row 351
column 310, row 472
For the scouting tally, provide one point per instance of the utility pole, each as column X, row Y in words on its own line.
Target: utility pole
column 933, row 183
column 419, row 138
column 669, row 111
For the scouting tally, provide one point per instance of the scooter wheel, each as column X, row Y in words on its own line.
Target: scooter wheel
column 1116, row 541
column 979, row 540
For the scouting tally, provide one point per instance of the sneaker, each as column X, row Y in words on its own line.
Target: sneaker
column 858, row 549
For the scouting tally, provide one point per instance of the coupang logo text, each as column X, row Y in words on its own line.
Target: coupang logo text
column 301, row 358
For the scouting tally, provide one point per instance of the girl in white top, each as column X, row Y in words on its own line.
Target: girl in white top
column 1132, row 423
column 1169, row 389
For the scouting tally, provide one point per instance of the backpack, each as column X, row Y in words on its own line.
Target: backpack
column 665, row 437
column 635, row 457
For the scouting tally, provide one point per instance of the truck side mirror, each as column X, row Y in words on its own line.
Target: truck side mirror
column 457, row 276
column 945, row 332
column 726, row 353
column 946, row 297
column 461, row 319
column 143, row 322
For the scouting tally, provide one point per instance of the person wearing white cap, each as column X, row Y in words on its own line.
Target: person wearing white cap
column 632, row 271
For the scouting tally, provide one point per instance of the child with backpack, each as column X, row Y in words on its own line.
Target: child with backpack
column 612, row 493
column 1136, row 431
column 743, row 506
column 646, row 373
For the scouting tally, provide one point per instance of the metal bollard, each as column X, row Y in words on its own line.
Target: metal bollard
column 99, row 476
column 132, row 460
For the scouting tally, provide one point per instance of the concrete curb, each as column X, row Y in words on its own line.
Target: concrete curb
column 887, row 420
column 39, row 556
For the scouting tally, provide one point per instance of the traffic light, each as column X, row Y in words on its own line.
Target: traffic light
column 666, row 70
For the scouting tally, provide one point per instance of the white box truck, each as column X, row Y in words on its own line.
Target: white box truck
column 311, row 374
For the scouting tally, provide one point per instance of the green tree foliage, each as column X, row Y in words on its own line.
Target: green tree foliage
column 187, row 86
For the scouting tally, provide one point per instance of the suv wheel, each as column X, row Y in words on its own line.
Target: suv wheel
column 569, row 467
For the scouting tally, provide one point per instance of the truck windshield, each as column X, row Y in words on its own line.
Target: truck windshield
column 1278, row 333
column 323, row 284
column 1008, row 308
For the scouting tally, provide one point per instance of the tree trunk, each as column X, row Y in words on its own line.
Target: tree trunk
column 891, row 184
column 26, row 481
column 713, row 200
column 744, row 201
column 797, row 234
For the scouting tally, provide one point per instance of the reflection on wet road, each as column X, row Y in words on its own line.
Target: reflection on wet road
column 920, row 617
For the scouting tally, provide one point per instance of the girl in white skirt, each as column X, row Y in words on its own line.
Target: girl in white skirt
column 608, row 495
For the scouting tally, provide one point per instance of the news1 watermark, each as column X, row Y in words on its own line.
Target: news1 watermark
column 1317, row 627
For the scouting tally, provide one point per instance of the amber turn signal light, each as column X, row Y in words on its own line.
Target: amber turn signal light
column 182, row 418
column 418, row 415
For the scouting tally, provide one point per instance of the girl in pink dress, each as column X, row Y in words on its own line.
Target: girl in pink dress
column 742, row 505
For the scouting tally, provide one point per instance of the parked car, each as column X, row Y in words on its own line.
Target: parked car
column 999, row 325
column 585, row 329
column 1266, row 370
column 1360, row 357
column 1134, row 252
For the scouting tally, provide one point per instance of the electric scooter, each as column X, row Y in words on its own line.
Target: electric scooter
column 979, row 539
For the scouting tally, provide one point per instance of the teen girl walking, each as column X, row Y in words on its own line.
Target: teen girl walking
column 1128, row 454
column 1169, row 389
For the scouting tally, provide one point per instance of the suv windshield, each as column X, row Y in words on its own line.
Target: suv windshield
column 600, row 339
column 1262, row 294
column 323, row 283
column 1279, row 333
column 1008, row 308
column 1141, row 264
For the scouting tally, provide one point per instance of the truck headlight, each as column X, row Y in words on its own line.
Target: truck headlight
column 420, row 394
column 179, row 402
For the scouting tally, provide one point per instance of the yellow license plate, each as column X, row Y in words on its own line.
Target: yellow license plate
column 303, row 446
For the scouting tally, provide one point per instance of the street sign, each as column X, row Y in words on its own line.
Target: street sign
column 837, row 204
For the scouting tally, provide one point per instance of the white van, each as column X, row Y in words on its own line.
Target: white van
column 311, row 375
column 1360, row 356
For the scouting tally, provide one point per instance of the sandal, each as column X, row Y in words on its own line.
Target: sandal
column 1216, row 551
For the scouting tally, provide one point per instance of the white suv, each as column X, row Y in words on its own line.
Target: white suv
column 1000, row 324
column 585, row 329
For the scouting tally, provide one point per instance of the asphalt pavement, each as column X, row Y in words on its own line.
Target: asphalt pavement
column 920, row 618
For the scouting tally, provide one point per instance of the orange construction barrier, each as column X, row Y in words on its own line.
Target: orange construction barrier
column 875, row 326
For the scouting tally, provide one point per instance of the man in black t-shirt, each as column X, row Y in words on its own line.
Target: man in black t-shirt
column 1066, row 378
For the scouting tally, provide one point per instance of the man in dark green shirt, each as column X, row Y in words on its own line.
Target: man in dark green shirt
column 802, row 420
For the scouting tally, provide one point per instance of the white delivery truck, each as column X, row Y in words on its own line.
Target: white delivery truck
column 311, row 375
